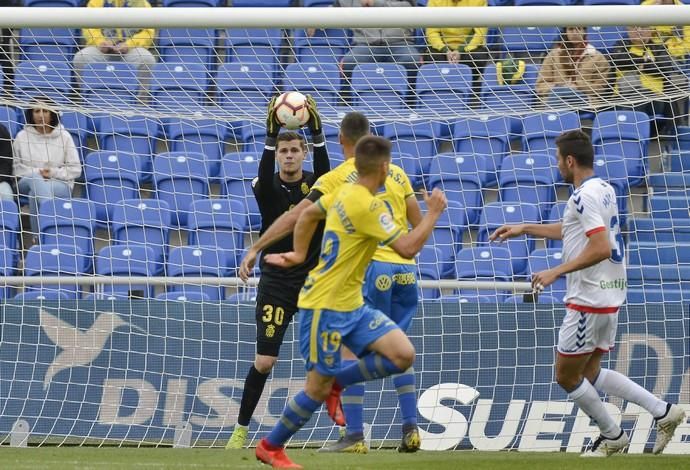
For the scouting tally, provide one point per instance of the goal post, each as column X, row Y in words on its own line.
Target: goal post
column 124, row 323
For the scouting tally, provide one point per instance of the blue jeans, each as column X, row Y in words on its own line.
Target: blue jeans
column 39, row 189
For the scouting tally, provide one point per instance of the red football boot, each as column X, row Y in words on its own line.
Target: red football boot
column 335, row 406
column 274, row 456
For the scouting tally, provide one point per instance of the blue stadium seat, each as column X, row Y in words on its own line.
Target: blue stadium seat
column 324, row 46
column 509, row 97
column 110, row 177
column 556, row 216
column 68, row 222
column 262, row 3
column 624, row 133
column 332, row 132
column 253, row 137
column 417, row 139
column 529, row 178
column 110, row 84
column 541, row 129
column 194, row 261
column 52, row 44
column 202, row 136
column 53, row 3
column 321, row 80
column 220, row 223
column 486, row 136
column 51, row 260
column 459, row 175
column 193, row 3
column 443, row 88
column 671, row 207
column 447, row 235
column 37, row 79
column 529, row 40
column 430, row 261
column 648, row 282
column 658, row 230
column 80, row 127
column 125, row 260
column 34, row 295
column 245, row 87
column 254, row 45
column 486, row 263
column 611, row 2
column 179, row 86
column 180, row 178
column 190, row 296
column 496, row 214
column 612, row 168
column 671, row 183
column 143, row 222
column 605, row 38
column 237, row 172
column 191, row 46
column 246, row 296
column 379, row 88
column 9, row 118
column 136, row 135
column 547, row 258
column 656, row 253
column 10, row 226
column 525, row 3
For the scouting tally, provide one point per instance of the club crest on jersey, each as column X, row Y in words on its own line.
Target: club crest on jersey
column 270, row 331
column 304, row 188
column 386, row 223
column 383, row 282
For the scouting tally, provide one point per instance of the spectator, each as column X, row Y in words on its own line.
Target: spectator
column 460, row 45
column 575, row 64
column 45, row 159
column 675, row 38
column 129, row 45
column 649, row 78
column 6, row 161
column 380, row 45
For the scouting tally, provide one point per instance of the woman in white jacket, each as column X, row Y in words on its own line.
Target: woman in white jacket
column 45, row 159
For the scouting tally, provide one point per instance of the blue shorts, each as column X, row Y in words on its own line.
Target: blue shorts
column 392, row 288
column 322, row 332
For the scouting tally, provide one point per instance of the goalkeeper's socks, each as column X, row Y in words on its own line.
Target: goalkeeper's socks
column 587, row 399
column 352, row 400
column 295, row 415
column 253, row 388
column 618, row 385
column 407, row 397
column 370, row 367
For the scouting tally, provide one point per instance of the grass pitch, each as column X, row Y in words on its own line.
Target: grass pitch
column 85, row 458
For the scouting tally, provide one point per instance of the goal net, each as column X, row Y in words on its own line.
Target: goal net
column 129, row 206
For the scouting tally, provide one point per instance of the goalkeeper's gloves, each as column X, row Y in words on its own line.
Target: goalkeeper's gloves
column 272, row 124
column 314, row 123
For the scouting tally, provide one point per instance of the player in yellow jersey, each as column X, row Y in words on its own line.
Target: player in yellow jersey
column 332, row 309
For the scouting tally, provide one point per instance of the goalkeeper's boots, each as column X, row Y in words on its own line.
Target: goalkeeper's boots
column 335, row 406
column 666, row 426
column 605, row 446
column 350, row 443
column 411, row 441
column 274, row 456
column 238, row 438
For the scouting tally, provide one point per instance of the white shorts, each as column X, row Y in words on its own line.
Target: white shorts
column 584, row 333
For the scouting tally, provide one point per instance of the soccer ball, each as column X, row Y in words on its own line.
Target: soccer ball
column 291, row 110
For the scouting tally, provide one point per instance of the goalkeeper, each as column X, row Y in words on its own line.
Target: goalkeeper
column 276, row 300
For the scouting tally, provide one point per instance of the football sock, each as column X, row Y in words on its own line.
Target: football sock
column 587, row 399
column 407, row 397
column 253, row 388
column 370, row 367
column 352, row 399
column 295, row 415
column 618, row 385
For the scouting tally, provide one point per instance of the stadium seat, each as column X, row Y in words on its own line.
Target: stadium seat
column 126, row 260
column 486, row 263
column 486, row 136
column 245, row 88
column 527, row 3
column 321, row 80
column 658, row 230
column 190, row 296
column 109, row 84
column 443, row 89
column 236, row 173
column 53, row 3
column 605, row 38
column 611, row 168
column 143, row 222
column 10, row 232
column 110, row 177
column 380, row 88
column 189, row 46
column 203, row 136
column 671, row 207
column 34, row 295
column 447, row 235
column 543, row 259
column 42, row 79
column 262, row 3
column 459, row 175
column 220, row 223
column 180, row 178
column 51, row 260
column 246, row 296
column 179, row 86
column 657, row 280
column 331, row 132
column 253, row 137
column 529, row 41
column 193, row 3
column 195, row 261
column 540, row 130
column 9, row 118
column 254, row 45
column 136, row 135
column 80, row 127
column 556, row 216
column 417, row 139
column 611, row 2
column 68, row 222
column 509, row 97
column 529, row 178
column 656, row 253
column 671, row 183
column 52, row 44
column 326, row 45
column 496, row 214
column 624, row 133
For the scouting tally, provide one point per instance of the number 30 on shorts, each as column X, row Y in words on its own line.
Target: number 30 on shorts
column 273, row 314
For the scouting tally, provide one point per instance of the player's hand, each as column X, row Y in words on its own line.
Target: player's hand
column 105, row 46
column 453, row 57
column 272, row 124
column 507, row 231
column 544, row 279
column 45, row 173
column 436, row 202
column 284, row 260
column 247, row 265
column 314, row 123
column 121, row 48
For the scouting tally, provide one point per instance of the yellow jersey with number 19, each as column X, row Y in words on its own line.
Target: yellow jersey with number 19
column 356, row 222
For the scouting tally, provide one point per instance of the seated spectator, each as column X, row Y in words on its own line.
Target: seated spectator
column 460, row 45
column 648, row 78
column 575, row 64
column 129, row 45
column 6, row 179
column 675, row 38
column 46, row 161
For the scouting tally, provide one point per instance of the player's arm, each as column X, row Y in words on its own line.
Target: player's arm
column 409, row 244
column 550, row 231
column 414, row 212
column 321, row 163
